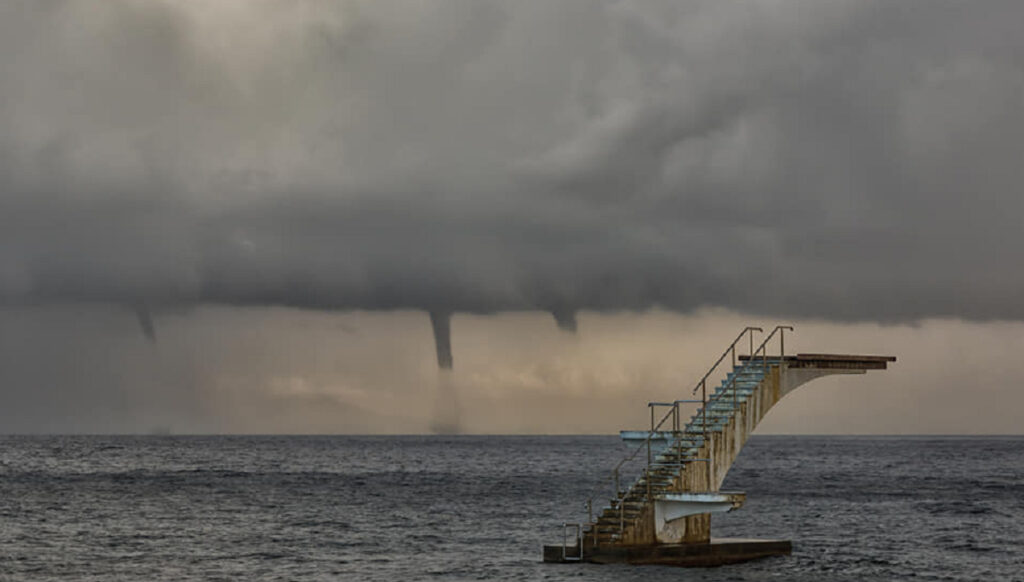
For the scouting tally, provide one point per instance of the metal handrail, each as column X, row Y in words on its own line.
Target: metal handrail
column 647, row 441
column 565, row 542
column 731, row 348
column 763, row 350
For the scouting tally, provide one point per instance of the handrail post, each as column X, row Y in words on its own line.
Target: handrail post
column 735, row 404
column 648, row 451
column 650, row 434
column 704, row 407
column 679, row 450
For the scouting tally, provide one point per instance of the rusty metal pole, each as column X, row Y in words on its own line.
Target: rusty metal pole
column 650, row 435
column 704, row 407
column 622, row 517
column 648, row 484
column 648, row 452
column 679, row 449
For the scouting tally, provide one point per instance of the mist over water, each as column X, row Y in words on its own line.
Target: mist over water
column 471, row 508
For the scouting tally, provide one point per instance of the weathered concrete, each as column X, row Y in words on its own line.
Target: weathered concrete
column 671, row 508
column 660, row 520
column 722, row 447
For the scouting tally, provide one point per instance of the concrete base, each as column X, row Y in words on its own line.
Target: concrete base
column 718, row 552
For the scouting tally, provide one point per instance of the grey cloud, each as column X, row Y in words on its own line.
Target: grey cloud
column 850, row 160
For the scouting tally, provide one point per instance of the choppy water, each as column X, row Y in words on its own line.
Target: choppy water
column 479, row 508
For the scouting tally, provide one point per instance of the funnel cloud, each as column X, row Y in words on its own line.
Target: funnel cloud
column 565, row 319
column 145, row 320
column 441, row 323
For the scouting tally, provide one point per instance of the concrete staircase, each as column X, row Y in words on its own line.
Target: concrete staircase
column 664, row 516
column 685, row 451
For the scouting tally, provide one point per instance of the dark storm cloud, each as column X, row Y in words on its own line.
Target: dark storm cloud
column 854, row 160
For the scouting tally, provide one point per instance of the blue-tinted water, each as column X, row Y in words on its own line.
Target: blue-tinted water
column 479, row 508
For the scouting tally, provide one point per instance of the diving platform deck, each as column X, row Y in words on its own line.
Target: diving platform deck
column 828, row 361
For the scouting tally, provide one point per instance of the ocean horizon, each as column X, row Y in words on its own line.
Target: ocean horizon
column 471, row 507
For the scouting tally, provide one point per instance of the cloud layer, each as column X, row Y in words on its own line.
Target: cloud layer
column 847, row 160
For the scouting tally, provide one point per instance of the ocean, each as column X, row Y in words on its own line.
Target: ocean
column 400, row 508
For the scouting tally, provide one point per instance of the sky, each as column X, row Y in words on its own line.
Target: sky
column 236, row 216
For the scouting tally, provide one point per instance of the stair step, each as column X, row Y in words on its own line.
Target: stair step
column 751, row 371
column 698, row 424
column 672, row 457
column 711, row 418
column 738, row 389
column 673, row 454
column 614, row 520
column 692, row 442
column 711, row 428
column 675, row 451
column 722, row 408
column 714, row 412
column 743, row 378
column 756, row 375
column 734, row 388
column 728, row 398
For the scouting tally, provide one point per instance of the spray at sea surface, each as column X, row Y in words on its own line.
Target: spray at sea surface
column 480, row 507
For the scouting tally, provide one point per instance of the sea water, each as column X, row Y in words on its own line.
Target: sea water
column 480, row 508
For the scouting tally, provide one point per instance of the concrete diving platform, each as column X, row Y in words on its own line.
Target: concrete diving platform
column 664, row 516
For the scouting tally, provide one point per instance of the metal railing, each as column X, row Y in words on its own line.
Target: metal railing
column 565, row 542
column 763, row 350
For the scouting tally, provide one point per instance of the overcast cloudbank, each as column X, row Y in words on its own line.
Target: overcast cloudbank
column 845, row 160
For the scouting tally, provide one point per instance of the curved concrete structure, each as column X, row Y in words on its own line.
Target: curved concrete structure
column 686, row 465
